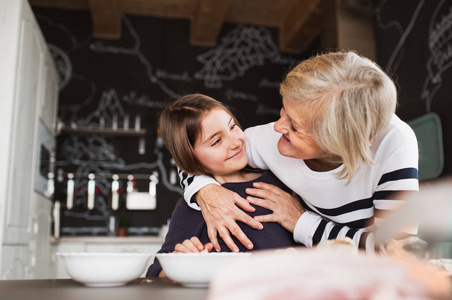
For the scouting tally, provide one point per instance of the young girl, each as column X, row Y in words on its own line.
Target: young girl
column 205, row 138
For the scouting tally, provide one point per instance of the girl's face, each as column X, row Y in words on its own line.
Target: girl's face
column 221, row 145
column 296, row 141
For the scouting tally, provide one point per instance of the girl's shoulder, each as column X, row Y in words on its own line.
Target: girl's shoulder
column 266, row 176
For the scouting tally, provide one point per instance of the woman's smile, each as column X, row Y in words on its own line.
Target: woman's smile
column 285, row 138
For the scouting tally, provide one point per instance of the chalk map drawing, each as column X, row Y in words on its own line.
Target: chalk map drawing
column 440, row 47
column 241, row 49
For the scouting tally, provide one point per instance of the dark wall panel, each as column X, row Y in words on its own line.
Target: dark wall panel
column 137, row 75
column 414, row 45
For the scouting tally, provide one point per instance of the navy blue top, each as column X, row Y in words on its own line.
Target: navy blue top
column 187, row 222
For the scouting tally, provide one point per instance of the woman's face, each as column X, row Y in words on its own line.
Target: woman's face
column 296, row 141
column 221, row 146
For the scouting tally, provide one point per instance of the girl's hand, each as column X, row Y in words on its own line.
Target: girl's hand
column 192, row 245
column 286, row 208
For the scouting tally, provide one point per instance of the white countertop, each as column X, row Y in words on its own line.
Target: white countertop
column 108, row 239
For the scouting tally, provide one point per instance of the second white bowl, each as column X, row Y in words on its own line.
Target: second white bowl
column 194, row 269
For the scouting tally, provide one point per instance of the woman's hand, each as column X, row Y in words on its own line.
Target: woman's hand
column 192, row 245
column 220, row 212
column 286, row 208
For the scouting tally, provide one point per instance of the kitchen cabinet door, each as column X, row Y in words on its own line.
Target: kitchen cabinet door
column 28, row 92
column 22, row 143
column 15, row 262
column 49, row 94
column 40, row 263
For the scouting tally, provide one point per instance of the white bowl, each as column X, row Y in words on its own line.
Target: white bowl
column 195, row 269
column 105, row 269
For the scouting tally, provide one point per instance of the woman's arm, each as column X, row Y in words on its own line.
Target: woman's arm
column 220, row 209
column 191, row 184
column 309, row 228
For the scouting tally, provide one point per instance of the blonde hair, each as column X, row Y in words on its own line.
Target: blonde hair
column 180, row 128
column 349, row 100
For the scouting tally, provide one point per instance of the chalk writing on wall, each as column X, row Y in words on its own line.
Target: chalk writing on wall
column 414, row 45
column 440, row 47
column 403, row 32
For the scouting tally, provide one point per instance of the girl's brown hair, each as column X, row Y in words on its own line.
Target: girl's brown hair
column 180, row 128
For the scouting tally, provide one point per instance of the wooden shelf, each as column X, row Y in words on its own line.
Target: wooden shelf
column 103, row 131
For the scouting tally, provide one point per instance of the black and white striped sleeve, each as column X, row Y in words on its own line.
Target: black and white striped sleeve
column 357, row 218
column 191, row 184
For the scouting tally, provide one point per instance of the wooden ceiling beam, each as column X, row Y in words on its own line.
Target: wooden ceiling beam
column 293, row 31
column 330, row 10
column 72, row 4
column 207, row 22
column 305, row 21
column 106, row 16
column 299, row 21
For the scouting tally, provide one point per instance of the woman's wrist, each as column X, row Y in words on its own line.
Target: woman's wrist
column 202, row 196
column 294, row 220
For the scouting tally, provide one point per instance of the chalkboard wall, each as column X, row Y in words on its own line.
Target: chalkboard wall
column 136, row 76
column 414, row 45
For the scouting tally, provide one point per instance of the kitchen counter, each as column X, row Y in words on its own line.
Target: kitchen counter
column 109, row 239
column 56, row 289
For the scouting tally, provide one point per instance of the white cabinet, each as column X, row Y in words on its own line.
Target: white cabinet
column 15, row 262
column 48, row 94
column 105, row 244
column 22, row 138
column 28, row 96
column 31, row 260
column 39, row 249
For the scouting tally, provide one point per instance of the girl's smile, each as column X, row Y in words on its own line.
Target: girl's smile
column 221, row 146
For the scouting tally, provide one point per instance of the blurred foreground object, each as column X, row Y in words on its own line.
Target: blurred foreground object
column 345, row 245
column 311, row 273
column 430, row 209
column 434, row 274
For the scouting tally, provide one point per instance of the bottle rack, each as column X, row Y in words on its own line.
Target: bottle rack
column 134, row 200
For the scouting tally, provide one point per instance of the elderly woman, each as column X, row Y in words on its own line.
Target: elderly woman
column 338, row 144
